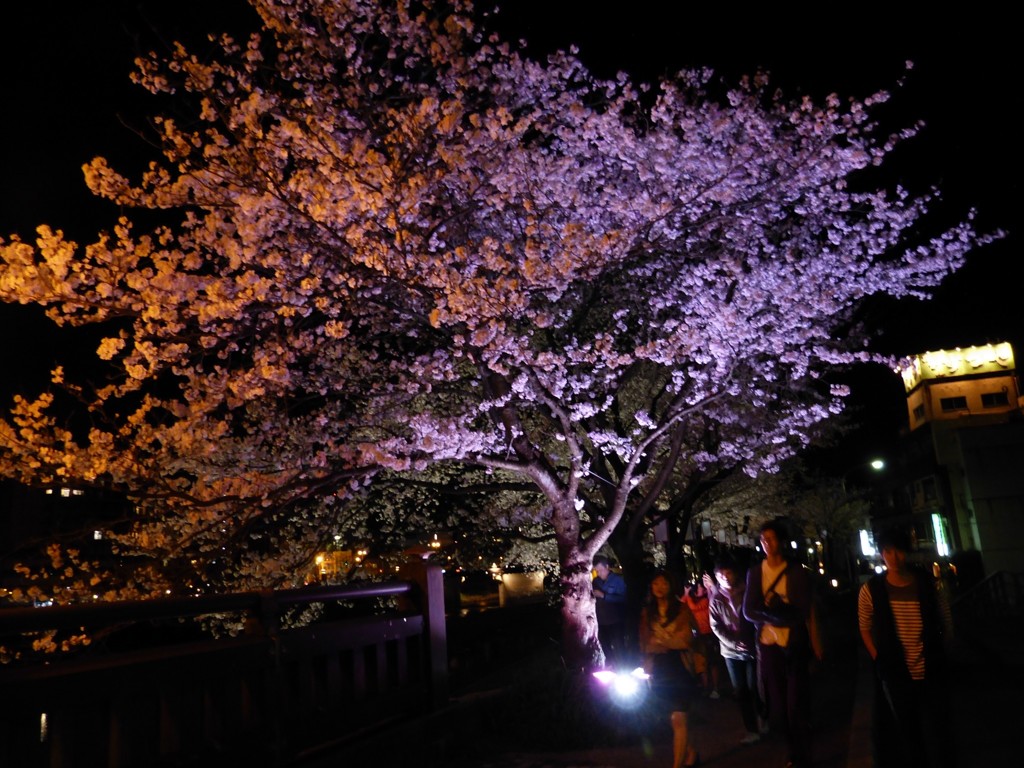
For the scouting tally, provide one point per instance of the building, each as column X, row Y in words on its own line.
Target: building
column 962, row 460
column 33, row 518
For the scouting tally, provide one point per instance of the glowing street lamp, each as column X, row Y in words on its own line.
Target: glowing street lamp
column 876, row 465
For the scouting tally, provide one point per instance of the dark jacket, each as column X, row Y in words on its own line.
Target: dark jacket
column 611, row 609
column 891, row 663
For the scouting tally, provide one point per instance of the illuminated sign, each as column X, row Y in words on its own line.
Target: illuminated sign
column 991, row 358
column 867, row 545
column 941, row 536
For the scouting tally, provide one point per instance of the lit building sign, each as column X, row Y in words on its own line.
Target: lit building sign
column 867, row 546
column 941, row 536
column 957, row 362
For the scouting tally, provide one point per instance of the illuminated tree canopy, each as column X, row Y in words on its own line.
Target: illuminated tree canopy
column 384, row 240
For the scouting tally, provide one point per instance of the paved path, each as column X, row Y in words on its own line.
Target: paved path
column 717, row 729
column 986, row 694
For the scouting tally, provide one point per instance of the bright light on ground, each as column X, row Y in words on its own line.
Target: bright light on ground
column 626, row 689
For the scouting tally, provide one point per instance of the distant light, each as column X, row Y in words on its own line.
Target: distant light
column 877, row 464
column 835, row 582
column 97, row 535
column 941, row 540
column 43, row 727
column 821, row 571
column 792, row 544
column 867, row 547
column 879, row 569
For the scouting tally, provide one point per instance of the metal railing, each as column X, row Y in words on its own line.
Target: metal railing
column 998, row 596
column 271, row 696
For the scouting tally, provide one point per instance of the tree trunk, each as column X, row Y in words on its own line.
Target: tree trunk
column 581, row 648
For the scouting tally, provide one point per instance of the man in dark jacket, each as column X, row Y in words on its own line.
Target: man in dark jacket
column 610, row 596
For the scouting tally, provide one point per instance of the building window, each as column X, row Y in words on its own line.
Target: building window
column 953, row 403
column 919, row 412
column 929, row 490
column 994, row 399
column 924, row 493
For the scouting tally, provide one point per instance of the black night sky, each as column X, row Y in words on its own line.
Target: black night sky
column 67, row 97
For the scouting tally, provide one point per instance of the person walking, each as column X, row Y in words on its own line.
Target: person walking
column 705, row 650
column 667, row 629
column 610, row 596
column 905, row 628
column 738, row 644
column 778, row 602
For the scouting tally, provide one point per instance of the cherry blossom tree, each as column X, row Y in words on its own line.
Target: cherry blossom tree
column 384, row 239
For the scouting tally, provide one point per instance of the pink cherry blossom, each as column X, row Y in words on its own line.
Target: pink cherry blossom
column 386, row 246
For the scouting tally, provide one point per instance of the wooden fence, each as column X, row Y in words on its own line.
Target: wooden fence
column 271, row 696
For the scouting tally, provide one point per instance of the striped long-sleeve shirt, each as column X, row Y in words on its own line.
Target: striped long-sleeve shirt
column 906, row 612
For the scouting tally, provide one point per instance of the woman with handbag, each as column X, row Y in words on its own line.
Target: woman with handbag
column 667, row 631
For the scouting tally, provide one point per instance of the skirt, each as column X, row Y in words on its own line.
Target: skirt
column 672, row 684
